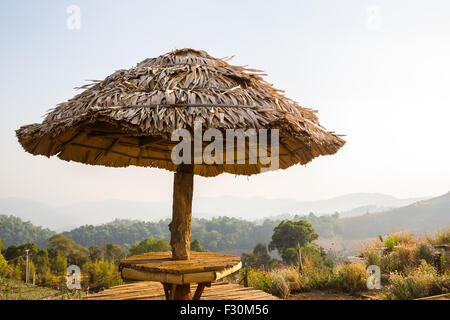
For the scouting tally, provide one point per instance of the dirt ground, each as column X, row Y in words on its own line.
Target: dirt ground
column 330, row 295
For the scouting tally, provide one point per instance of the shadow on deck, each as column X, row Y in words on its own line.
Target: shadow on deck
column 149, row 290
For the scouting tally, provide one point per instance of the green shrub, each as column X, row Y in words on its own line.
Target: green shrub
column 399, row 287
column 316, row 256
column 196, row 246
column 260, row 279
column 3, row 266
column 389, row 263
column 389, row 243
column 101, row 274
column 424, row 252
column 316, row 278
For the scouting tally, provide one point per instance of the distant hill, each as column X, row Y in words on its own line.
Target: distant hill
column 364, row 210
column 15, row 231
column 422, row 216
column 64, row 218
column 253, row 208
column 39, row 213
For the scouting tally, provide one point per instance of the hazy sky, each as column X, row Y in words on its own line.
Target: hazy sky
column 377, row 71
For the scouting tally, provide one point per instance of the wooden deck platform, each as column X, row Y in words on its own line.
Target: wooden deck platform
column 149, row 290
column 445, row 296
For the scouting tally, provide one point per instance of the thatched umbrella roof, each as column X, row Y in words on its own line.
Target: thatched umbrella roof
column 127, row 119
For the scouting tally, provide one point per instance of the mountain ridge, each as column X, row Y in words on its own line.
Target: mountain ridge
column 66, row 217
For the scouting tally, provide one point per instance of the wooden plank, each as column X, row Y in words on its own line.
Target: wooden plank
column 445, row 296
column 223, row 273
column 199, row 277
column 155, row 291
column 132, row 274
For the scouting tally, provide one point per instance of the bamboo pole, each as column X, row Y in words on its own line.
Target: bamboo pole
column 300, row 263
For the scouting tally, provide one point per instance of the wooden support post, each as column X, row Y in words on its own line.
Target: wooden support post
column 180, row 227
column 200, row 287
column 166, row 287
column 173, row 290
column 182, row 292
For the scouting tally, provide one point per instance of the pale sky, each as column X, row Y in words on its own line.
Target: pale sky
column 377, row 71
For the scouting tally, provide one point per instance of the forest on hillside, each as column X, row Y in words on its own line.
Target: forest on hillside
column 15, row 231
column 219, row 234
column 233, row 235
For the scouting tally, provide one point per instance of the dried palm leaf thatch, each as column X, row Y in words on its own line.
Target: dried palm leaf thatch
column 127, row 119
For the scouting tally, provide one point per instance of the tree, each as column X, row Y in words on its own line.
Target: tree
column 60, row 264
column 15, row 251
column 113, row 253
column 287, row 234
column 196, row 246
column 61, row 243
column 78, row 257
column 259, row 258
column 95, row 253
column 75, row 253
column 42, row 261
column 262, row 254
column 149, row 245
column 161, row 245
column 290, row 256
column 17, row 269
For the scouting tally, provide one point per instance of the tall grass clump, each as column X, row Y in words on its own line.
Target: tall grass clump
column 420, row 282
column 373, row 258
column 292, row 278
column 403, row 237
column 350, row 277
column 280, row 286
column 440, row 237
column 280, row 282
